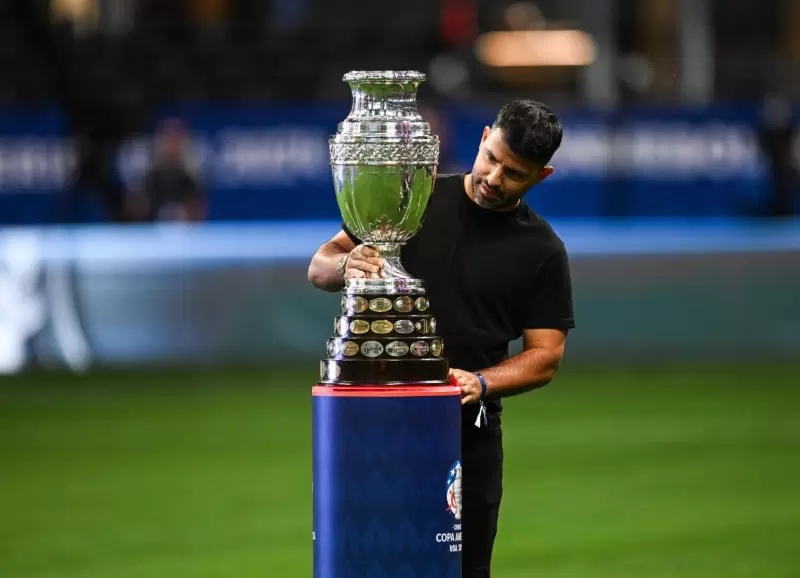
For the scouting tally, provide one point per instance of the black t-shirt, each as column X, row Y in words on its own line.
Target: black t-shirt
column 488, row 276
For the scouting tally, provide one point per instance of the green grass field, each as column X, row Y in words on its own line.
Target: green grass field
column 610, row 473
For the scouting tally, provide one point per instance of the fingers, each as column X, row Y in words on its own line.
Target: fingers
column 367, row 260
column 367, row 252
column 368, row 255
column 354, row 274
column 359, row 274
column 453, row 376
column 468, row 396
column 363, row 267
column 470, row 392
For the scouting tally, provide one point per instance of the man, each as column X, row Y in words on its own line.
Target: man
column 777, row 136
column 494, row 270
column 170, row 190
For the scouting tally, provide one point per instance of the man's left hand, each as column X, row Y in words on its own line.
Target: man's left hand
column 469, row 383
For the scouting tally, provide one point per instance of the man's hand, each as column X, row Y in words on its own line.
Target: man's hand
column 469, row 383
column 364, row 262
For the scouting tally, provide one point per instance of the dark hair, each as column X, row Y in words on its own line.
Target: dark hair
column 532, row 131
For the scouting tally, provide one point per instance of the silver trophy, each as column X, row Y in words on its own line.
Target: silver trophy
column 384, row 160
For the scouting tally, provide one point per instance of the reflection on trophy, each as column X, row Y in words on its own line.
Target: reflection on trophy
column 384, row 160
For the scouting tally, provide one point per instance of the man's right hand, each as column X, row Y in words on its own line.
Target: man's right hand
column 364, row 262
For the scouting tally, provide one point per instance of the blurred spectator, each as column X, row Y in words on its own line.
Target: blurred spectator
column 777, row 142
column 171, row 189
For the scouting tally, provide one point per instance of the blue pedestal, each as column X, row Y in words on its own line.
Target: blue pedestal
column 387, row 475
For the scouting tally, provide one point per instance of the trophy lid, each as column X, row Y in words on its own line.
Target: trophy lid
column 384, row 106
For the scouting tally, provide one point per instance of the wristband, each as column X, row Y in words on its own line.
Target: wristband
column 342, row 265
column 483, row 384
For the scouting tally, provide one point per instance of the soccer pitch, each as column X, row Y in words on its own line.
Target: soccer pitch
column 686, row 472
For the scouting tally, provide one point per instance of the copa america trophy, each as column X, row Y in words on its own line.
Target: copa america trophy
column 386, row 421
column 384, row 160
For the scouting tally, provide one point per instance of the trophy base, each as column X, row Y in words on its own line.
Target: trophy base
column 384, row 336
column 384, row 372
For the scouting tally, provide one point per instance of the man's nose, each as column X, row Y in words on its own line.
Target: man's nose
column 495, row 177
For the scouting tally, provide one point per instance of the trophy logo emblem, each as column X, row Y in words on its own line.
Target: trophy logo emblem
column 454, row 490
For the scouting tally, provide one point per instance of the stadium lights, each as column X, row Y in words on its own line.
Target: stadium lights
column 75, row 10
column 525, row 48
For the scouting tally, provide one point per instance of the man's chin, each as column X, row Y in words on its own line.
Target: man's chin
column 481, row 201
column 489, row 202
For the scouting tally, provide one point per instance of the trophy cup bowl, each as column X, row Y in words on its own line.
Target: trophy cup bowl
column 384, row 160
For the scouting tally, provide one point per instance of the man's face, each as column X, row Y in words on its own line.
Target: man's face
column 499, row 177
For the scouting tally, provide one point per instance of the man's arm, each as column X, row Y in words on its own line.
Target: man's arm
column 534, row 367
column 322, row 270
column 363, row 261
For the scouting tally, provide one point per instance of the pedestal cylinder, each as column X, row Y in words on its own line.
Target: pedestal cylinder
column 387, row 481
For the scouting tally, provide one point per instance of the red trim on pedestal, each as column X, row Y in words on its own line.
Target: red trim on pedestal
column 385, row 391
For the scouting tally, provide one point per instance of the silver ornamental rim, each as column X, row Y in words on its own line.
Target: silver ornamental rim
column 424, row 152
column 380, row 139
column 385, row 76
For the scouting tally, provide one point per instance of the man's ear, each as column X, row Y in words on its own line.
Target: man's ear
column 544, row 173
column 486, row 131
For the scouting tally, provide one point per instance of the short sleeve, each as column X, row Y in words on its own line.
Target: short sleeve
column 353, row 238
column 549, row 302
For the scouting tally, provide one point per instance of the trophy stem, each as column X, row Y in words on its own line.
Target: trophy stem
column 393, row 268
column 394, row 280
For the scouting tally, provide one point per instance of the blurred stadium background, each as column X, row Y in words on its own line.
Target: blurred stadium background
column 164, row 180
